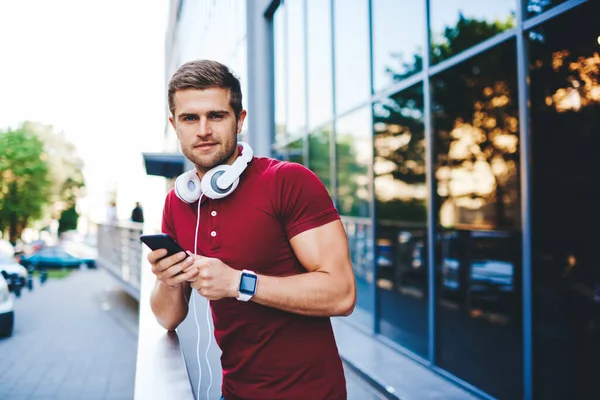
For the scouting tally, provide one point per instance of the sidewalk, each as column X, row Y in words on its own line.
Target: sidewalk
column 74, row 338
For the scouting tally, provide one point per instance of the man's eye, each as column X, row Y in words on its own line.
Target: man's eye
column 216, row 116
column 189, row 118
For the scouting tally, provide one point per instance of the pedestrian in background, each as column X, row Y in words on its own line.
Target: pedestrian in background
column 137, row 215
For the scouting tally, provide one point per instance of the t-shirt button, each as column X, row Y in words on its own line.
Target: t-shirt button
column 213, row 234
column 213, row 213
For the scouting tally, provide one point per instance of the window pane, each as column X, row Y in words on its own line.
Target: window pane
column 295, row 151
column 565, row 110
column 478, row 266
column 360, row 243
column 320, row 81
column 536, row 7
column 296, row 111
column 457, row 25
column 352, row 78
column 319, row 155
column 401, row 201
column 279, row 33
column 398, row 40
column 354, row 148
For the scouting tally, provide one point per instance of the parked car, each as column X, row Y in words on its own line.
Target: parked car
column 55, row 257
column 7, row 313
column 14, row 273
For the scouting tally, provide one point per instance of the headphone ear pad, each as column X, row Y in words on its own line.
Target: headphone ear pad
column 209, row 183
column 187, row 187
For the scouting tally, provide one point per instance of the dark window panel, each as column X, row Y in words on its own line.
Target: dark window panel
column 564, row 69
column 478, row 265
column 401, row 208
column 457, row 25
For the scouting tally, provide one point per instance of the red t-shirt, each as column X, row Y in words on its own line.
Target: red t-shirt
column 267, row 353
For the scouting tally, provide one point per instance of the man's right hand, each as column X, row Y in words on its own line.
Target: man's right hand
column 173, row 270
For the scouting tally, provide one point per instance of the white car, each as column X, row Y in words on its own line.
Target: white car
column 15, row 274
column 7, row 313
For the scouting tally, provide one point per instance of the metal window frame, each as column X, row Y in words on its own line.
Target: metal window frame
column 430, row 183
column 524, row 159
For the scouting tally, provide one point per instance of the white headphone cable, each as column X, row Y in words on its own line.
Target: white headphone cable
column 194, row 305
column 198, row 324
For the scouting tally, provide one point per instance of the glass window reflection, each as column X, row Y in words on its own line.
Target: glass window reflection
column 401, row 204
column 296, row 110
column 319, row 159
column 360, row 243
column 536, row 7
column 354, row 148
column 478, row 270
column 320, row 81
column 352, row 76
column 295, row 151
column 457, row 25
column 564, row 69
column 398, row 40
column 279, row 37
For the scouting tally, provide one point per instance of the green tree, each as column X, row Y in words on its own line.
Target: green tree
column 24, row 183
column 65, row 167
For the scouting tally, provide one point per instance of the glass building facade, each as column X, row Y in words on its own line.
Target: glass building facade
column 431, row 124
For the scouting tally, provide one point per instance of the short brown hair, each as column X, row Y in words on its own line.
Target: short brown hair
column 206, row 74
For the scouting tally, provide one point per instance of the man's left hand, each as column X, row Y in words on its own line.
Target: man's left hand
column 215, row 280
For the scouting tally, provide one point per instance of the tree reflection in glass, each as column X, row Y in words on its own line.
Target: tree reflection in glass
column 354, row 154
column 475, row 118
column 401, row 203
column 457, row 25
column 477, row 200
column 319, row 155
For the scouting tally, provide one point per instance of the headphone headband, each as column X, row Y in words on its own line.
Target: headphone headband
column 216, row 183
column 238, row 166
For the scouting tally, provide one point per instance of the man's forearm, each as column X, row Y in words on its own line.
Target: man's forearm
column 316, row 294
column 169, row 304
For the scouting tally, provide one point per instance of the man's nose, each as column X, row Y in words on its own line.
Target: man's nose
column 204, row 128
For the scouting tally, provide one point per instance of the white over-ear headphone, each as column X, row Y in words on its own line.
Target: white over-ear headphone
column 217, row 182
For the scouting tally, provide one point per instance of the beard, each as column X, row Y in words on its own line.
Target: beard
column 223, row 152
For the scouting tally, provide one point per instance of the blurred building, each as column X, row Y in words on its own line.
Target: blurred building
column 458, row 140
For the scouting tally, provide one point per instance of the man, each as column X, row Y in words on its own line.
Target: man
column 279, row 223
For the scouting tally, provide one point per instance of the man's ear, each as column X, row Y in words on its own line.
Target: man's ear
column 240, row 120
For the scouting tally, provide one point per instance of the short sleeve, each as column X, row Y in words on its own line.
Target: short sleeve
column 167, row 221
column 302, row 201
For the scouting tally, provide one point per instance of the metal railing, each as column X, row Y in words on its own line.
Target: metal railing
column 161, row 371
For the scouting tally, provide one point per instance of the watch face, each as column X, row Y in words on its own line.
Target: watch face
column 248, row 283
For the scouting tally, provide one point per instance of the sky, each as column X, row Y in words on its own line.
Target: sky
column 95, row 70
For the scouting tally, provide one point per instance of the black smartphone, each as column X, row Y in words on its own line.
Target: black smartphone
column 162, row 241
